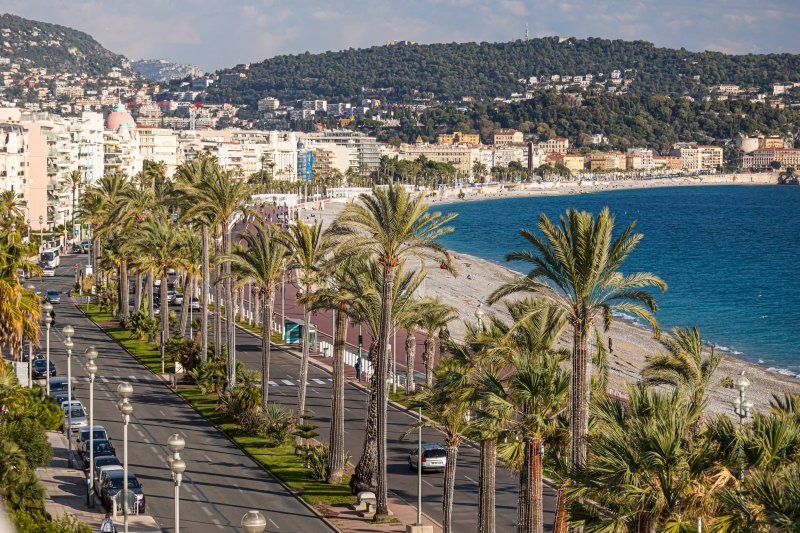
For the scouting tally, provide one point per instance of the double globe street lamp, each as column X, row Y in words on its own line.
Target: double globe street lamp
column 254, row 522
column 743, row 409
column 47, row 308
column 176, row 443
column 125, row 407
column 68, row 332
column 91, row 368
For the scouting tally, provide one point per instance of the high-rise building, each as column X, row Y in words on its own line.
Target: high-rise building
column 366, row 148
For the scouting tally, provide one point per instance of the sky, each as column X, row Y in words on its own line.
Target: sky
column 216, row 34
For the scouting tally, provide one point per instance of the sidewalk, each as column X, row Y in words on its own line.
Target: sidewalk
column 66, row 492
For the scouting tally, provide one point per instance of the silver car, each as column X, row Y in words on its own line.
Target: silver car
column 434, row 457
column 77, row 420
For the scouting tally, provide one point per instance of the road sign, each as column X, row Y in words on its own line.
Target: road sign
column 21, row 370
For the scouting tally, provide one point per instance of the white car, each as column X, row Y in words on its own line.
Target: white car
column 75, row 405
column 178, row 299
column 48, row 272
column 434, row 457
column 194, row 305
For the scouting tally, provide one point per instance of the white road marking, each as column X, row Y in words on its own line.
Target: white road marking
column 469, row 478
column 319, row 381
column 86, row 379
column 155, row 450
column 276, row 526
column 287, row 382
column 104, row 379
column 424, row 481
column 314, row 391
column 330, row 379
column 207, row 457
column 162, row 413
column 133, row 378
column 207, row 511
column 273, row 384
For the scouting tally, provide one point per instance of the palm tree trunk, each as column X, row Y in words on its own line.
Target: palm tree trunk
column 204, row 296
column 150, row 279
column 336, row 452
column 301, row 390
column 364, row 476
column 429, row 349
column 242, row 315
column 560, row 525
column 265, row 354
column 579, row 417
column 382, row 369
column 449, row 488
column 138, row 291
column 163, row 306
column 188, row 283
column 229, row 316
column 411, row 352
column 535, row 487
column 124, row 301
column 486, row 486
column 524, row 503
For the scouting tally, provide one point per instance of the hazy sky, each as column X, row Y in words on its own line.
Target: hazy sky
column 219, row 33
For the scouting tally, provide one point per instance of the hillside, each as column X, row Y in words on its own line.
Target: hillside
column 163, row 70
column 489, row 70
column 35, row 44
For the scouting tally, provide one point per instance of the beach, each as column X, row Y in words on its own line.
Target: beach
column 632, row 343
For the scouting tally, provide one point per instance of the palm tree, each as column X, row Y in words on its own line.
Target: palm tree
column 260, row 262
column 683, row 366
column 447, row 410
column 188, row 176
column 390, row 226
column 11, row 205
column 434, row 316
column 577, row 265
column 191, row 264
column 411, row 326
column 75, row 180
column 308, row 246
column 221, row 195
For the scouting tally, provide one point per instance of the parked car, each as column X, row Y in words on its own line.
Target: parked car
column 40, row 369
column 78, row 419
column 75, row 404
column 76, row 249
column 48, row 272
column 104, row 448
column 83, row 438
column 194, row 305
column 110, row 464
column 59, row 386
column 178, row 299
column 85, row 247
column 111, row 484
column 434, row 457
column 54, row 297
column 171, row 297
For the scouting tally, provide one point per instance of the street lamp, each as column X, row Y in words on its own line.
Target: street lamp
column 68, row 332
column 125, row 390
column 31, row 288
column 254, row 522
column 743, row 409
column 479, row 314
column 91, row 367
column 47, row 308
column 176, row 443
column 41, row 232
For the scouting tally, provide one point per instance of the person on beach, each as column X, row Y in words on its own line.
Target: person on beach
column 610, row 345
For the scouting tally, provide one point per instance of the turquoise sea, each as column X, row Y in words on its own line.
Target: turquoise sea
column 730, row 255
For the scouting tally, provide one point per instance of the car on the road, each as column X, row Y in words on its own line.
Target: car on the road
column 59, row 386
column 194, row 305
column 40, row 369
column 85, row 247
column 178, row 299
column 54, row 297
column 99, row 463
column 77, row 420
column 75, row 403
column 84, row 437
column 48, row 272
column 111, row 484
column 171, row 297
column 76, row 249
column 434, row 457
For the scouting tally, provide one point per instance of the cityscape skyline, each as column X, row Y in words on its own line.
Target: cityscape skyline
column 182, row 31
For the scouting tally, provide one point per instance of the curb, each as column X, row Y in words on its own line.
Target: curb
column 184, row 400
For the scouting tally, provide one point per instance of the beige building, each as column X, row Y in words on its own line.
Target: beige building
column 458, row 156
column 457, row 137
column 787, row 157
column 573, row 162
column 698, row 157
column 159, row 145
column 559, row 145
column 506, row 137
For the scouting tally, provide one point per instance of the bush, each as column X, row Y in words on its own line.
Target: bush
column 318, row 460
column 29, row 435
column 279, row 424
column 46, row 412
column 38, row 522
column 253, row 422
column 210, row 376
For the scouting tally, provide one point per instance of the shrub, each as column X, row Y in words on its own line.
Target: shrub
column 253, row 422
column 318, row 460
column 37, row 522
column 210, row 376
column 29, row 435
column 279, row 422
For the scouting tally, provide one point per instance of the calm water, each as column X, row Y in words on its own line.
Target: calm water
column 729, row 254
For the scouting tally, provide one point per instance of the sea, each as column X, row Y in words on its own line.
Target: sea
column 729, row 254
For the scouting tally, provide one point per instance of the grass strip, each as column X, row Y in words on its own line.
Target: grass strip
column 281, row 461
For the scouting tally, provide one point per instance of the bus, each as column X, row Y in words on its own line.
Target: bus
column 51, row 257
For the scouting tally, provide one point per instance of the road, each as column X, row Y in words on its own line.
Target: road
column 221, row 482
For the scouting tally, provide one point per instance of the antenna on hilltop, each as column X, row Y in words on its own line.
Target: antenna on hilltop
column 526, row 31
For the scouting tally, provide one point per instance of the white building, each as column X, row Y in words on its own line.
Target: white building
column 159, row 145
column 645, row 154
column 268, row 104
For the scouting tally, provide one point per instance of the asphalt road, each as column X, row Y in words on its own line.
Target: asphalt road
column 220, row 484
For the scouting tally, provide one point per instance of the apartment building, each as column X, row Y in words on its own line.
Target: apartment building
column 159, row 145
column 457, row 137
column 558, row 145
column 458, row 156
column 698, row 157
column 367, row 149
column 642, row 158
column 763, row 158
column 573, row 162
column 506, row 137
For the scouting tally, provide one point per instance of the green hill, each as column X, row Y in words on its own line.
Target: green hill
column 36, row 44
column 487, row 70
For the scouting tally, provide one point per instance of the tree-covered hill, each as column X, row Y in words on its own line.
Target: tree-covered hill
column 57, row 48
column 488, row 70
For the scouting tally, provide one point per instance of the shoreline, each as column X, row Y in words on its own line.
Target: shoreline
column 566, row 188
column 632, row 342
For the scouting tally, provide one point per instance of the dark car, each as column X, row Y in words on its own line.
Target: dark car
column 59, row 386
column 100, row 464
column 76, row 249
column 103, row 448
column 111, row 486
column 40, row 369
column 84, row 437
column 54, row 297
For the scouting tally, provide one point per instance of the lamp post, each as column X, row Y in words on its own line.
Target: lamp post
column 479, row 314
column 176, row 443
column 125, row 390
column 91, row 367
column 419, row 467
column 743, row 409
column 41, row 232
column 31, row 288
column 254, row 522
column 68, row 331
column 47, row 308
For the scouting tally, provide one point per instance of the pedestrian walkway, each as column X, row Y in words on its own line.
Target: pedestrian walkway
column 66, row 492
column 350, row 521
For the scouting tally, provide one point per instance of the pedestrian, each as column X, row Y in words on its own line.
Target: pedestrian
column 358, row 369
column 610, row 345
column 53, row 317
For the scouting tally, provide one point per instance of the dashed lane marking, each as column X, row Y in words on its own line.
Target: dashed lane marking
column 287, row 382
column 273, row 384
column 319, row 381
